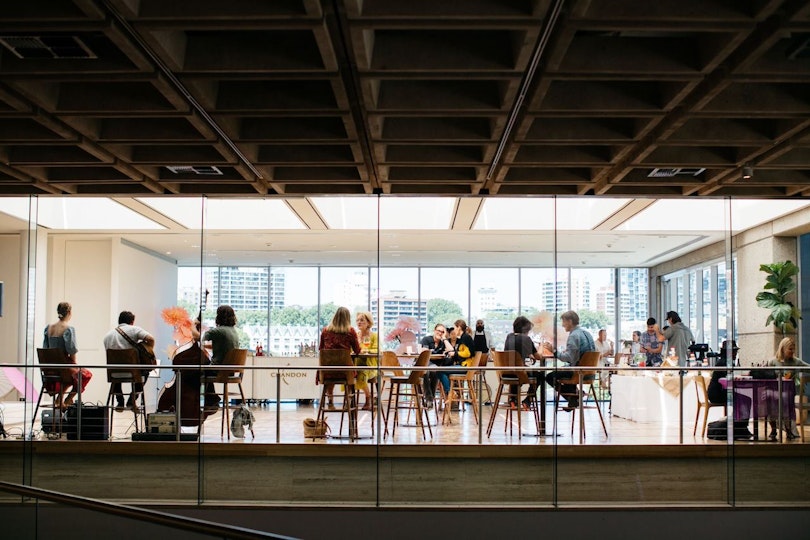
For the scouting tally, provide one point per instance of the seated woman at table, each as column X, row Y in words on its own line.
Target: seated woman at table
column 459, row 349
column 520, row 341
column 450, row 343
column 338, row 335
column 435, row 343
column 368, row 345
column 785, row 357
column 716, row 393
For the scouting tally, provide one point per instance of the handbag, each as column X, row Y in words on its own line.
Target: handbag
column 315, row 429
column 145, row 353
column 242, row 418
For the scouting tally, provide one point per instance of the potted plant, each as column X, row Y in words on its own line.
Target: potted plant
column 779, row 284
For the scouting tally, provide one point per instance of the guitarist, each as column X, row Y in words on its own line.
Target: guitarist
column 126, row 336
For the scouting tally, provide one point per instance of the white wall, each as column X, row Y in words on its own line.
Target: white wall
column 10, row 330
column 147, row 284
column 101, row 277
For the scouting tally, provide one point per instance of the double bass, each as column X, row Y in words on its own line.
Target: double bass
column 189, row 354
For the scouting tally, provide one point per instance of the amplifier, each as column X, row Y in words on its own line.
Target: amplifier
column 50, row 421
column 161, row 423
column 95, row 425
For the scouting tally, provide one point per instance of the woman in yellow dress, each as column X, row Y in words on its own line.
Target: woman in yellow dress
column 368, row 345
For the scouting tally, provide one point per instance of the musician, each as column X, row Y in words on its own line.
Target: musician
column 114, row 340
column 60, row 335
column 224, row 337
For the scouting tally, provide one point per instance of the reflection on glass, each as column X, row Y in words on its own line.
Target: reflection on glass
column 398, row 300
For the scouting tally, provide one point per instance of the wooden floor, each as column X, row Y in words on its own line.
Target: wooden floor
column 283, row 425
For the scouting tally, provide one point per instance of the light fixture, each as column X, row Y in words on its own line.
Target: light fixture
column 747, row 172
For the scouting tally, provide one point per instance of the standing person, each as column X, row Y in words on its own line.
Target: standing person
column 435, row 343
column 481, row 337
column 650, row 345
column 368, row 345
column 678, row 335
column 114, row 340
column 520, row 341
column 635, row 344
column 339, row 334
column 579, row 342
column 60, row 335
column 603, row 344
column 605, row 348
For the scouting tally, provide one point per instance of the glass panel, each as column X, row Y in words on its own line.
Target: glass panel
column 285, row 286
column 634, row 310
column 593, row 297
column 445, row 292
column 495, row 300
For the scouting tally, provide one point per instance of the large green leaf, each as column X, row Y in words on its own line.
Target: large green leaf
column 780, row 279
column 768, row 300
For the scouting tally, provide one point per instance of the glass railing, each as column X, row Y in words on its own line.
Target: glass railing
column 638, row 426
column 648, row 405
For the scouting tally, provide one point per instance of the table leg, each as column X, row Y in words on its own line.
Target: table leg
column 542, row 406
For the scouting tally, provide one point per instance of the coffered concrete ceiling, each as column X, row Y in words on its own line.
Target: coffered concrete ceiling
column 301, row 97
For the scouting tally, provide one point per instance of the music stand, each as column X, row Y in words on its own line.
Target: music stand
column 155, row 375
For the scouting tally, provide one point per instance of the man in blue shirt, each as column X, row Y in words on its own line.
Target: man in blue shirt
column 579, row 342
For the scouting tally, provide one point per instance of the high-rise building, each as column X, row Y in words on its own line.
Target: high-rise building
column 246, row 287
column 396, row 305
column 633, row 294
column 555, row 294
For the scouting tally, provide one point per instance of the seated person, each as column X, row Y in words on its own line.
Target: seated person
column 579, row 342
column 117, row 339
column 435, row 343
column 784, row 358
column 519, row 341
column 717, row 394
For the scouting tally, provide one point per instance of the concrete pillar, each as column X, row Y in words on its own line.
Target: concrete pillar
column 758, row 342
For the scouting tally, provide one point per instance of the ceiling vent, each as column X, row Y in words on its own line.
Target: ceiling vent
column 202, row 170
column 45, row 47
column 670, row 173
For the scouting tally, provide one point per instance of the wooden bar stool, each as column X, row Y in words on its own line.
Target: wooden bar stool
column 235, row 358
column 508, row 378
column 339, row 357
column 406, row 393
column 462, row 391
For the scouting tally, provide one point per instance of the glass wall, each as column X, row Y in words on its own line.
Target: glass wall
column 285, row 272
